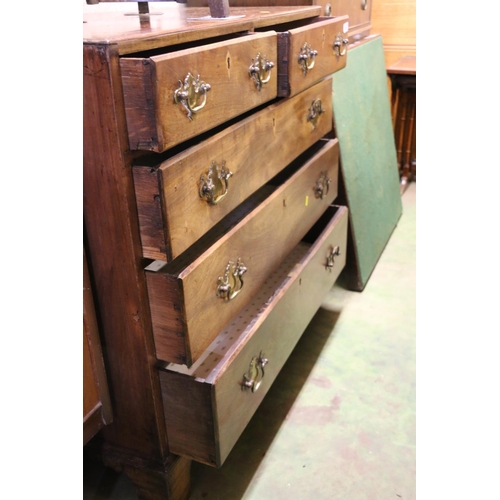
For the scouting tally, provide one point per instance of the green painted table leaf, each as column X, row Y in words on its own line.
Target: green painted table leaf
column 363, row 125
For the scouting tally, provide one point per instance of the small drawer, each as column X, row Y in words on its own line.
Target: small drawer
column 208, row 406
column 180, row 199
column 175, row 96
column 309, row 53
column 195, row 295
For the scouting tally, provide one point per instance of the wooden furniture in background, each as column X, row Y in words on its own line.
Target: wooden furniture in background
column 220, row 187
column 96, row 402
column 395, row 20
column 403, row 76
column 359, row 11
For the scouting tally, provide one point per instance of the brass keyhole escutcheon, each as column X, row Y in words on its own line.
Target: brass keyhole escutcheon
column 260, row 70
column 330, row 258
column 252, row 379
column 231, row 282
column 215, row 183
column 315, row 111
column 307, row 58
column 192, row 94
column 322, row 185
column 340, row 45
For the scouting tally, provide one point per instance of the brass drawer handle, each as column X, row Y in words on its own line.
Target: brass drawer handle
column 364, row 4
column 307, row 58
column 315, row 111
column 231, row 283
column 214, row 184
column 330, row 258
column 340, row 45
column 260, row 70
column 192, row 94
column 322, row 185
column 253, row 377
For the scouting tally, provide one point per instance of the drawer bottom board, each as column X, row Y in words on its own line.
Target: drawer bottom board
column 207, row 406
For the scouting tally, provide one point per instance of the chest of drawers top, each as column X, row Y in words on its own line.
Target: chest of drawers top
column 174, row 26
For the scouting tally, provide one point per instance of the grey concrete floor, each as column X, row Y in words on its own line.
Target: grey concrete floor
column 339, row 421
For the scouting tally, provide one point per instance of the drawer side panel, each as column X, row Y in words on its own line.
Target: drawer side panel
column 138, row 95
column 148, row 199
column 191, row 425
column 167, row 313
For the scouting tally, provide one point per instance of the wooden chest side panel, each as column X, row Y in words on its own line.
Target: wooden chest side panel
column 279, row 333
column 189, row 417
column 261, row 241
column 249, row 151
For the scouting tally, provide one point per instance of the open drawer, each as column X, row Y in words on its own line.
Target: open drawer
column 208, row 406
column 195, row 295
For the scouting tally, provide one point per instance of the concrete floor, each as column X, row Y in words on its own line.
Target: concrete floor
column 339, row 421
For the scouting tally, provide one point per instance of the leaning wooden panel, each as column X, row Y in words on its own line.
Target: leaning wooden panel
column 173, row 209
column 244, row 360
column 175, row 96
column 197, row 294
column 310, row 53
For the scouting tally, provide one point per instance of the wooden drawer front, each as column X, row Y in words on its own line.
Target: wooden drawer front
column 207, row 407
column 187, row 314
column 359, row 12
column 155, row 122
column 320, row 36
column 172, row 215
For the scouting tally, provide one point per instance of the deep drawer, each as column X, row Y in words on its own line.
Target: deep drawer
column 194, row 296
column 208, row 406
column 175, row 96
column 174, row 201
column 309, row 53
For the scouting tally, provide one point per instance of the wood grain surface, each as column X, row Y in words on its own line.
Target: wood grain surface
column 261, row 240
column 172, row 215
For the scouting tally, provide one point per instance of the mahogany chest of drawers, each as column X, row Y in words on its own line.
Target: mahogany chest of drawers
column 209, row 176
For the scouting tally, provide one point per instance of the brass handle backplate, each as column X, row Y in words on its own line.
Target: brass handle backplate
column 214, row 184
column 307, row 58
column 260, row 70
column 330, row 258
column 315, row 111
column 231, row 283
column 192, row 94
column 253, row 377
column 322, row 185
column 340, row 45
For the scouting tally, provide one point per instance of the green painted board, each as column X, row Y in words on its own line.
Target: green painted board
column 363, row 125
